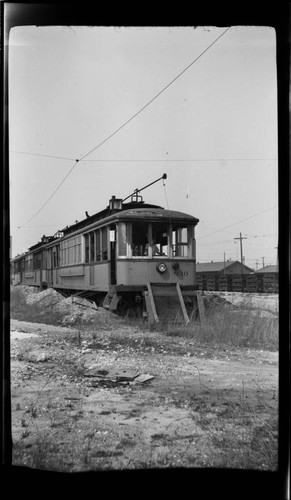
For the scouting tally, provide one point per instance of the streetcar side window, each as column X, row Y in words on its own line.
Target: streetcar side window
column 104, row 244
column 28, row 263
column 97, row 245
column 180, row 243
column 86, row 246
column 70, row 251
column 56, row 256
column 91, row 247
column 37, row 260
column 44, row 259
column 77, row 251
column 122, row 239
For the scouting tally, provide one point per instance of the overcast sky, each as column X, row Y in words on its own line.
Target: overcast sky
column 213, row 130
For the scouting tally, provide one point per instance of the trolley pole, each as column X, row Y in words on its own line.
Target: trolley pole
column 240, row 238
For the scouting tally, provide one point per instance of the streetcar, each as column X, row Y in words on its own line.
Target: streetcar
column 129, row 253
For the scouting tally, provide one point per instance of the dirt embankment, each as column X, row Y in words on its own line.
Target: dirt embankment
column 114, row 395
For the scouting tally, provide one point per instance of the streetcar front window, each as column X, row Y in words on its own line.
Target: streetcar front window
column 140, row 239
column 150, row 240
column 160, row 240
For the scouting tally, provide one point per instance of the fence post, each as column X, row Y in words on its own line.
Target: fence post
column 229, row 283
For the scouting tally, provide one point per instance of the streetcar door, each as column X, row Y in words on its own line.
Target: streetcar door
column 49, row 267
column 112, row 239
column 21, row 270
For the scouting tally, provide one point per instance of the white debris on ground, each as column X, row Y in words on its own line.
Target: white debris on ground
column 263, row 301
column 79, row 309
column 46, row 296
column 73, row 310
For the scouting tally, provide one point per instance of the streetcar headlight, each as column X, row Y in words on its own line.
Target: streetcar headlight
column 161, row 267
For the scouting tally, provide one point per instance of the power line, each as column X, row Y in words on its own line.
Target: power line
column 54, row 192
column 143, row 160
column 126, row 123
column 218, row 242
column 183, row 160
column 42, row 225
column 261, row 235
column 229, row 240
column 238, row 222
column 155, row 97
column 40, row 154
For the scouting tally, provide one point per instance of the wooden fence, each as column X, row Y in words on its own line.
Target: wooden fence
column 251, row 283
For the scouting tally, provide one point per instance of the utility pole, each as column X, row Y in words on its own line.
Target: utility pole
column 224, row 263
column 241, row 249
column 263, row 259
column 257, row 264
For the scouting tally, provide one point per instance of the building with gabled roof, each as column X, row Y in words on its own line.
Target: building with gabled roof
column 228, row 267
column 268, row 269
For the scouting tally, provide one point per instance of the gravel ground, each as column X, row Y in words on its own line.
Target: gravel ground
column 78, row 404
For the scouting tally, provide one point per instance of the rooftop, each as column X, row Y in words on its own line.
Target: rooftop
column 268, row 269
column 207, row 267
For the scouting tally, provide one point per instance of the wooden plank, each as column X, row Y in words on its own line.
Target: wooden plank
column 152, row 303
column 150, row 316
column 164, row 292
column 130, row 288
column 182, row 303
column 201, row 307
column 190, row 293
column 170, row 290
column 106, row 301
column 114, row 302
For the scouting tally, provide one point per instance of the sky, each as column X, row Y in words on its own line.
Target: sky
column 137, row 102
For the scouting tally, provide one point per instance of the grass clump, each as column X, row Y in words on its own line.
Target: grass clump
column 238, row 328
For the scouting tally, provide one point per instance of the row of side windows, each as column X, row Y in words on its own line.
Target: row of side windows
column 96, row 245
column 70, row 251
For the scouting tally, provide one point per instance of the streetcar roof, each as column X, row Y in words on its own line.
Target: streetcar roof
column 155, row 214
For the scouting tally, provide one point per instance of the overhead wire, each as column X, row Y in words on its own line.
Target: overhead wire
column 41, row 154
column 238, row 222
column 180, row 160
column 124, row 124
column 138, row 160
column 47, row 201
